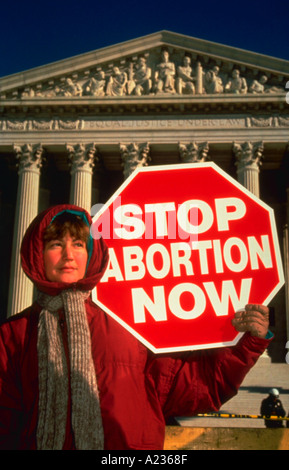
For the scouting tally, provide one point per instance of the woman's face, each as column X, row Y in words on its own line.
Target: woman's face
column 65, row 260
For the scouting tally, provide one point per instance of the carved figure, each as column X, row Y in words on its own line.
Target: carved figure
column 71, row 89
column 95, row 85
column 212, row 82
column 164, row 76
column 274, row 89
column 30, row 93
column 184, row 81
column 117, row 83
column 236, row 84
column 258, row 86
column 142, row 78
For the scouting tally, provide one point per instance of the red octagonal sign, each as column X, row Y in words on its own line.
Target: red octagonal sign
column 188, row 247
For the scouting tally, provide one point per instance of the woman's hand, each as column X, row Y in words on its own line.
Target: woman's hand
column 254, row 318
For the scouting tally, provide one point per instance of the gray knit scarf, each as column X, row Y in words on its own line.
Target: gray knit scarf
column 54, row 380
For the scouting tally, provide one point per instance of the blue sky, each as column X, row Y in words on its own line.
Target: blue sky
column 35, row 33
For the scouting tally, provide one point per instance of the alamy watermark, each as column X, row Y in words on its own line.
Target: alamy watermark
column 160, row 220
column 151, row 221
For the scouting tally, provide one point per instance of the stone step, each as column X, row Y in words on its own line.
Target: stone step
column 255, row 387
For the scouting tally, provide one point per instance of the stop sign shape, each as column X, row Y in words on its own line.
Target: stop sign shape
column 188, row 247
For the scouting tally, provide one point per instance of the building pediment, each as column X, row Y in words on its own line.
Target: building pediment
column 158, row 65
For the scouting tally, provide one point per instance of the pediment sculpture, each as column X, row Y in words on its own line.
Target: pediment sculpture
column 153, row 74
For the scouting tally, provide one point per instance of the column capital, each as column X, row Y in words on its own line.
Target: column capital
column 82, row 157
column 133, row 156
column 194, row 152
column 248, row 154
column 29, row 157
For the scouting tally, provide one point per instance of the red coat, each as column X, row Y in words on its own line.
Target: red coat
column 139, row 391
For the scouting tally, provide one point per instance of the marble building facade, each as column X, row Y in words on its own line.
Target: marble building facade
column 71, row 131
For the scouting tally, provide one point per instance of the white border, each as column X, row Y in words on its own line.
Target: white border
column 229, row 178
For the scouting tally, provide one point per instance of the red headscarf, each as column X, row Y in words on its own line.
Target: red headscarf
column 32, row 254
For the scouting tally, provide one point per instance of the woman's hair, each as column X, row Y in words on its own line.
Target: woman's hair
column 66, row 222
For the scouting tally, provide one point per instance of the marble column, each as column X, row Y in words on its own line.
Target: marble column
column 194, row 152
column 82, row 160
column 134, row 156
column 199, row 79
column 249, row 156
column 29, row 163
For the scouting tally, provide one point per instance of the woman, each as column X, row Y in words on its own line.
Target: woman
column 73, row 378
